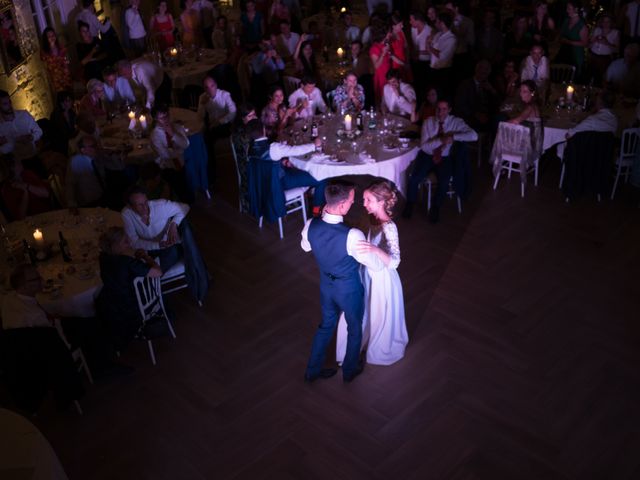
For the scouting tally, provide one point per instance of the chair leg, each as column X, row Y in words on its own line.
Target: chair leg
column 495, row 182
column 304, row 208
column 85, row 367
column 208, row 194
column 280, row 227
column 561, row 176
column 151, row 352
column 428, row 196
column 615, row 184
column 510, row 170
column 260, row 222
column 536, row 164
column 78, row 407
column 459, row 204
column 522, row 189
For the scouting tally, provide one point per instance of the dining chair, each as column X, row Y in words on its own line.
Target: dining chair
column 515, row 144
column 629, row 146
column 291, row 84
column 293, row 201
column 174, row 279
column 76, row 354
column 240, row 159
column 561, row 72
column 431, row 180
column 151, row 306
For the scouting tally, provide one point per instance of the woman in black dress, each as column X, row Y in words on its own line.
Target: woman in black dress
column 91, row 54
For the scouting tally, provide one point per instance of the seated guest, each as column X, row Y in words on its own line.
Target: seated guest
column 439, row 144
column 35, row 359
column 275, row 114
column 143, row 81
column 85, row 126
column 508, row 82
column 602, row 120
column 19, row 133
column 23, row 192
column 536, row 67
column 307, row 99
column 112, row 96
column 92, row 101
column 287, row 41
column 266, row 67
column 153, row 183
column 152, row 225
column 349, row 97
column 63, row 120
column 290, row 177
column 217, row 110
column 399, row 97
column 91, row 54
column 430, row 104
column 623, row 74
column 85, row 179
column 476, row 100
column 360, row 60
column 305, row 58
column 169, row 140
column 530, row 110
column 120, row 264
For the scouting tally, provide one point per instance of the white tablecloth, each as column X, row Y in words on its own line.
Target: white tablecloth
column 70, row 288
column 25, row 452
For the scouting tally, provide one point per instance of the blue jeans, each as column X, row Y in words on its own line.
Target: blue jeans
column 338, row 296
column 299, row 178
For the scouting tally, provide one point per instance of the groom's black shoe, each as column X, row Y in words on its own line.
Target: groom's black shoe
column 349, row 378
column 324, row 373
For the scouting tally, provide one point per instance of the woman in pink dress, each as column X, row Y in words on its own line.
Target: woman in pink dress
column 380, row 53
column 162, row 27
column 399, row 48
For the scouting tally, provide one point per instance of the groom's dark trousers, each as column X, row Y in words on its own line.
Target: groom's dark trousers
column 340, row 291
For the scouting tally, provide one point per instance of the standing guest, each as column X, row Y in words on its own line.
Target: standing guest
column 266, row 67
column 399, row 97
column 476, row 101
column 287, row 41
column 334, row 246
column 508, row 82
column 108, row 36
column 190, row 22
column 536, row 67
column 541, row 25
column 379, row 6
column 135, row 27
column 91, row 55
column 574, row 38
column 602, row 120
column 169, row 140
column 92, row 101
column 207, row 12
column 23, row 192
column 63, row 119
column 305, row 58
column 56, row 60
column 420, row 57
column 518, row 41
column 221, row 37
column 162, row 27
column 19, row 131
column 623, row 74
column 380, row 53
column 275, row 114
column 360, row 60
column 604, row 46
column 349, row 97
column 442, row 49
column 252, row 25
column 85, row 179
column 432, row 17
column 439, row 135
column 347, row 31
column 384, row 313
column 489, row 39
column 631, row 21
column 399, row 46
column 307, row 99
column 143, row 81
column 217, row 110
column 278, row 13
column 462, row 27
column 120, row 264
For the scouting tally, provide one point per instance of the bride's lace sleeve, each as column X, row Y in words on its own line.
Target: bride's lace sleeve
column 392, row 244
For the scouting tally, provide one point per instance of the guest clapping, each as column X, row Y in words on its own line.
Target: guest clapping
column 275, row 114
column 349, row 97
column 307, row 99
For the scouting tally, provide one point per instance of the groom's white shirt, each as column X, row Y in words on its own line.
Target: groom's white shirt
column 369, row 260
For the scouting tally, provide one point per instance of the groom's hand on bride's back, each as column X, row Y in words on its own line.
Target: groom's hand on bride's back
column 364, row 247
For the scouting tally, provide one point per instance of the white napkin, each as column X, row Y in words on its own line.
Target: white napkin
column 366, row 158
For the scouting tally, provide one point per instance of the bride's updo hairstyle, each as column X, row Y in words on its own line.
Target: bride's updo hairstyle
column 384, row 190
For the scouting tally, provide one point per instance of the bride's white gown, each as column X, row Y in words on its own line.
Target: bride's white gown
column 384, row 328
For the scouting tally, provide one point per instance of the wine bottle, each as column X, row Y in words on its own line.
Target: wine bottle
column 314, row 130
column 64, row 248
column 359, row 123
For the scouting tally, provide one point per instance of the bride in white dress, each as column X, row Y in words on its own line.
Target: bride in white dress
column 384, row 327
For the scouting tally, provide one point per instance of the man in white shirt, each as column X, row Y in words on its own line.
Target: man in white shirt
column 169, row 140
column 347, row 32
column 111, row 94
column 137, row 32
column 307, row 99
column 152, row 225
column 88, row 16
column 290, row 177
column 442, row 50
column 536, row 67
column 440, row 134
column 602, row 120
column 287, row 40
column 336, row 249
column 399, row 97
column 631, row 21
column 19, row 131
column 143, row 81
column 623, row 74
column 85, row 179
column 217, row 110
column 420, row 57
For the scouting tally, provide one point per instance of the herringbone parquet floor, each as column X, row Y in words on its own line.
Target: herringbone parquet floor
column 522, row 363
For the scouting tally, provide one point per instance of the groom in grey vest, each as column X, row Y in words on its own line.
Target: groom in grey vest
column 335, row 248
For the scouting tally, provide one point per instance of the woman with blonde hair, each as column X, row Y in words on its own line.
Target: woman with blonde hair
column 384, row 302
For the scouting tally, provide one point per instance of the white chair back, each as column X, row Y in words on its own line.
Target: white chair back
column 629, row 144
column 561, row 72
column 514, row 139
column 291, row 84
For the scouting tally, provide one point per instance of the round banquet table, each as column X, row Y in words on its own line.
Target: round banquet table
column 116, row 136
column 69, row 288
column 375, row 152
column 26, row 453
column 188, row 69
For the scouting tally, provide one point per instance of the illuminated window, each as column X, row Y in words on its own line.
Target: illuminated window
column 43, row 13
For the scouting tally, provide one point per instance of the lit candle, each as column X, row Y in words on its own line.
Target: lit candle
column 174, row 52
column 39, row 239
column 340, row 52
column 143, row 122
column 343, row 9
column 347, row 122
column 570, row 91
column 132, row 115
